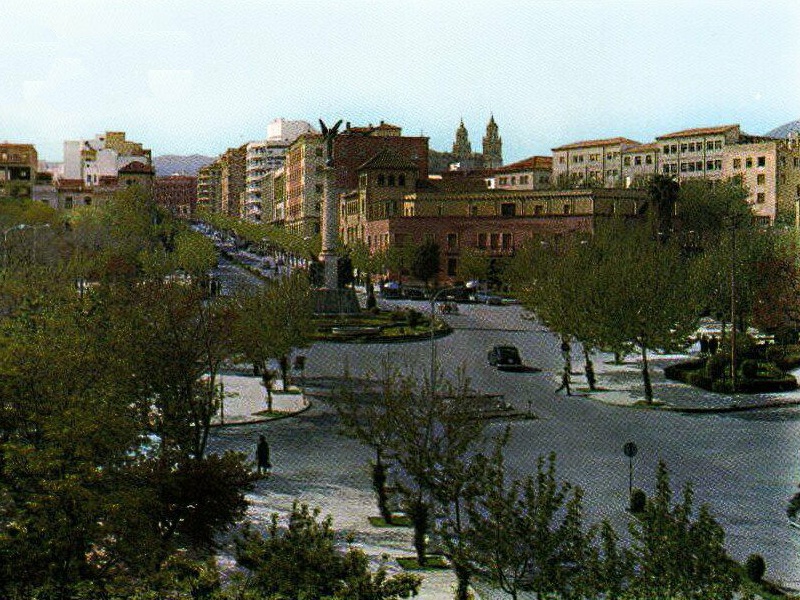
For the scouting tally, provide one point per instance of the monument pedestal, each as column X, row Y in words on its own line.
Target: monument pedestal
column 334, row 301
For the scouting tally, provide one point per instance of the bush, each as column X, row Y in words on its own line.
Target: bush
column 716, row 366
column 755, row 566
column 722, row 386
column 749, row 368
column 638, row 501
column 698, row 379
column 414, row 318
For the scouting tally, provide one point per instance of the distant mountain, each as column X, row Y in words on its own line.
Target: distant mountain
column 784, row 130
column 170, row 164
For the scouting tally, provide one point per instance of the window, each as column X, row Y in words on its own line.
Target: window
column 523, row 180
column 318, row 152
column 561, row 160
column 494, row 241
column 737, row 163
column 718, row 164
column 567, row 209
column 87, row 200
column 699, row 165
column 760, row 198
column 401, row 180
column 748, row 163
column 505, row 241
column 648, row 160
column 391, row 181
column 381, row 179
column 666, row 149
column 513, row 181
column 796, row 162
column 684, row 167
column 627, row 161
column 473, row 210
column 318, row 188
column 482, row 240
column 673, row 148
column 709, row 145
column 691, row 147
column 718, row 145
column 504, row 181
column 538, row 209
column 762, row 161
column 761, row 179
column 637, row 160
column 684, row 147
column 508, row 209
column 452, row 241
column 68, row 202
column 452, row 266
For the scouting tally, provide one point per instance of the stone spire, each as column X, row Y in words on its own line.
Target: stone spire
column 492, row 146
column 461, row 147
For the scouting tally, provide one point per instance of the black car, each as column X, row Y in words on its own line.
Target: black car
column 504, row 357
column 413, row 294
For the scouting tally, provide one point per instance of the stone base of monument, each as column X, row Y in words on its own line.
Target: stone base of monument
column 330, row 301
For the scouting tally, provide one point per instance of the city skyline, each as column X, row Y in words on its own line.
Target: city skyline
column 189, row 79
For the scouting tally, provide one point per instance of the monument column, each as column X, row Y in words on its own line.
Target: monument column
column 330, row 213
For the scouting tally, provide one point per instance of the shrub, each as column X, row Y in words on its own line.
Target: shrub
column 716, row 366
column 638, row 501
column 698, row 379
column 414, row 318
column 371, row 302
column 397, row 315
column 749, row 368
column 721, row 386
column 755, row 567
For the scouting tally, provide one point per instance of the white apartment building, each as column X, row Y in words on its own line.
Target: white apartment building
column 103, row 156
column 768, row 167
column 264, row 156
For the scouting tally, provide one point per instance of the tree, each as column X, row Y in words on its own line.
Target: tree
column 473, row 265
column 678, row 555
column 528, row 534
column 425, row 262
column 271, row 321
column 429, row 436
column 302, row 561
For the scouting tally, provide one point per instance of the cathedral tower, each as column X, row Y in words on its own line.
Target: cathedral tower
column 462, row 151
column 492, row 146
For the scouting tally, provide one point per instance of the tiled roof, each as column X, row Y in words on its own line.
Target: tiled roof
column 136, row 167
column 652, row 147
column 592, row 143
column 698, row 131
column 526, row 164
column 386, row 159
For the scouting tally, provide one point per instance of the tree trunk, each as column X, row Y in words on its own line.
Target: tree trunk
column 284, row 365
column 462, row 581
column 266, row 381
column 589, row 370
column 648, row 387
column 379, row 485
column 419, row 515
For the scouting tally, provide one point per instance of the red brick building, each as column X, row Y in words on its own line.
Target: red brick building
column 178, row 193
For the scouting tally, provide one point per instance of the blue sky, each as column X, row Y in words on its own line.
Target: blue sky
column 186, row 76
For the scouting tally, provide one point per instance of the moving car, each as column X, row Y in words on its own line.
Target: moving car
column 505, row 357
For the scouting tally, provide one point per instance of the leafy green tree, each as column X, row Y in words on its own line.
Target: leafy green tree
column 676, row 554
column 302, row 561
column 271, row 321
column 425, row 262
column 473, row 265
column 528, row 534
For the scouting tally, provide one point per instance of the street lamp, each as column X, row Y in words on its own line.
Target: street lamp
column 433, row 339
column 19, row 227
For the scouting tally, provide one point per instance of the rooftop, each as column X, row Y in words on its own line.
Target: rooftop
column 698, row 131
column 526, row 164
column 593, row 143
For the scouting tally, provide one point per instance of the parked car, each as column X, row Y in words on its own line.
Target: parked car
column 487, row 298
column 413, row 294
column 505, row 357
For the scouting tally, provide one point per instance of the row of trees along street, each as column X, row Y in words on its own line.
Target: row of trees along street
column 641, row 286
column 109, row 378
column 526, row 534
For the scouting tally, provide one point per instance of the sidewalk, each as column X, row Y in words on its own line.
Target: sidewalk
column 245, row 401
column 622, row 385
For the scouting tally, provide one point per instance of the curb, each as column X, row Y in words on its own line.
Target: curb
column 266, row 420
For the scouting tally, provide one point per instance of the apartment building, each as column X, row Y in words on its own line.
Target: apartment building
column 177, row 193
column 304, row 178
column 208, row 187
column 590, row 163
column 232, row 169
column 273, row 192
column 18, row 167
column 267, row 155
column 531, row 173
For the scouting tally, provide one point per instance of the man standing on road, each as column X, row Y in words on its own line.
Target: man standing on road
column 564, row 382
column 262, row 456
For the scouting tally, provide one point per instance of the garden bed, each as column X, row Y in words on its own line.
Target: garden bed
column 758, row 376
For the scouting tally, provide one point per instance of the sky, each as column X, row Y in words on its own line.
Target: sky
column 196, row 76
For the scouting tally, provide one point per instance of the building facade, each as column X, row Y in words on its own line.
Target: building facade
column 304, row 178
column 208, row 188
column 18, row 169
column 532, row 173
column 177, row 193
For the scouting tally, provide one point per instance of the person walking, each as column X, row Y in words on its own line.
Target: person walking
column 564, row 382
column 262, row 455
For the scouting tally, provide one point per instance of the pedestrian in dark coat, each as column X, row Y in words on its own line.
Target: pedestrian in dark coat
column 262, row 455
column 713, row 344
column 703, row 344
column 564, row 382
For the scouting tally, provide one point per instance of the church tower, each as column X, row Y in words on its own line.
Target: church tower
column 462, row 151
column 492, row 146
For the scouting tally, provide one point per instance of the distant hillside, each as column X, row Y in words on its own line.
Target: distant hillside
column 169, row 164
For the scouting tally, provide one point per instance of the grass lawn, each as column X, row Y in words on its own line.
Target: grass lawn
column 398, row 521
column 434, row 562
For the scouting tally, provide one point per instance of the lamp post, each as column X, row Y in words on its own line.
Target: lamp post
column 433, row 339
column 17, row 227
